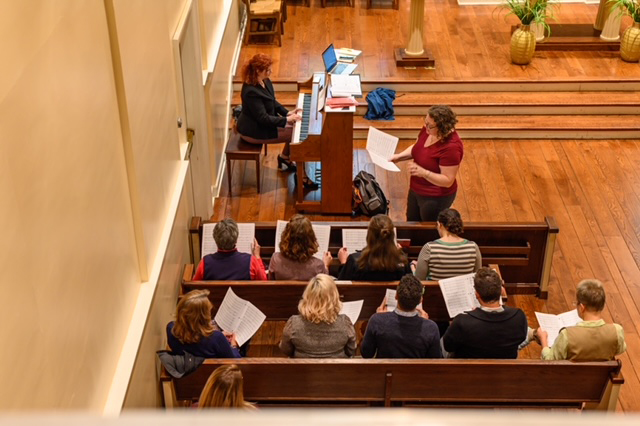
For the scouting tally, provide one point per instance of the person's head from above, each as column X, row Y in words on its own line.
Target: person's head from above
column 488, row 286
column 449, row 222
column 257, row 68
column 298, row 241
column 590, row 297
column 382, row 252
column 193, row 317
column 440, row 121
column 320, row 301
column 225, row 234
column 223, row 389
column 409, row 293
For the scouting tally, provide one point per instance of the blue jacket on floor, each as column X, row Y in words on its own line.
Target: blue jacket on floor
column 380, row 104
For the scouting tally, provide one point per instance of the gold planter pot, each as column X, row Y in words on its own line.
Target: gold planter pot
column 523, row 44
column 630, row 43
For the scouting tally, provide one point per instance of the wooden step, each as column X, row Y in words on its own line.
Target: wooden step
column 501, row 103
column 517, row 127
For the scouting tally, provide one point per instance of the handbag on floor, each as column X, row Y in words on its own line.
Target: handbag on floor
column 368, row 197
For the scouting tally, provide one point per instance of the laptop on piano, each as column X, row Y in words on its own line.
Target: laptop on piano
column 333, row 66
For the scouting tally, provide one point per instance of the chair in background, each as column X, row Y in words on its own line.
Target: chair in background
column 265, row 18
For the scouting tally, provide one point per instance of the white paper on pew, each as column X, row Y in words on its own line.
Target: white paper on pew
column 354, row 239
column 352, row 309
column 343, row 282
column 381, row 146
column 552, row 324
column 459, row 294
column 239, row 316
column 322, row 235
column 246, row 235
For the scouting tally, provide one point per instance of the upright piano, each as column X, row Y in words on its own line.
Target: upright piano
column 325, row 137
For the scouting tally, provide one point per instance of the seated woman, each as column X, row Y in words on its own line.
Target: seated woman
column 450, row 255
column 295, row 260
column 224, row 389
column 263, row 119
column 194, row 332
column 320, row 331
column 380, row 260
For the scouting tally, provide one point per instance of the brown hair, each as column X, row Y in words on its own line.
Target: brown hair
column 590, row 293
column 444, row 118
column 224, row 389
column 488, row 284
column 320, row 301
column 381, row 252
column 298, row 241
column 260, row 62
column 193, row 317
column 451, row 220
column 409, row 292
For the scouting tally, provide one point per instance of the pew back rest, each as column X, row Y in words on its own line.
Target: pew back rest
column 501, row 383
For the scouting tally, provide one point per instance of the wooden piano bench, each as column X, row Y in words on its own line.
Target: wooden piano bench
column 239, row 149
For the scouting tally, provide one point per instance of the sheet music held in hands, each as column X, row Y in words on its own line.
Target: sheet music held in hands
column 391, row 302
column 459, row 294
column 246, row 235
column 381, row 146
column 352, row 309
column 354, row 239
column 322, row 235
column 343, row 86
column 552, row 324
column 239, row 316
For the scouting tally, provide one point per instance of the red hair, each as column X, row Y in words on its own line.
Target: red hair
column 260, row 62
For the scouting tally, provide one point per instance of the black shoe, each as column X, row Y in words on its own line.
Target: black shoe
column 309, row 184
column 286, row 165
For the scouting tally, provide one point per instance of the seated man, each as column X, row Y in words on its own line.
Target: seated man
column 491, row 331
column 227, row 263
column 591, row 339
column 407, row 332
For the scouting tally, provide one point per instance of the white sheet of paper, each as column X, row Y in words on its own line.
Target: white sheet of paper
column 381, row 146
column 322, row 232
column 345, row 85
column 322, row 96
column 246, row 235
column 343, row 282
column 239, row 316
column 392, row 303
column 552, row 324
column 352, row 309
column 354, row 239
column 458, row 294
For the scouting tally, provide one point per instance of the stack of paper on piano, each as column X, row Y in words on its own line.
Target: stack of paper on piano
column 459, row 294
column 246, row 235
column 238, row 316
column 345, row 54
column 345, row 85
column 552, row 324
column 342, row 102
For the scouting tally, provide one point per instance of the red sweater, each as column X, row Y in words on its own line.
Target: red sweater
column 447, row 152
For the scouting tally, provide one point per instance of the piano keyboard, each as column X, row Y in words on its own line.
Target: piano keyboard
column 301, row 128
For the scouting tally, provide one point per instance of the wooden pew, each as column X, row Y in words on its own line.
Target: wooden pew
column 278, row 300
column 412, row 382
column 523, row 250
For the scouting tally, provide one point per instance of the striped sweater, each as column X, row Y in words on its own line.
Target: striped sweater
column 438, row 260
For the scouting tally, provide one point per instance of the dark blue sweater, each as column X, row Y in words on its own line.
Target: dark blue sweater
column 213, row 346
column 390, row 335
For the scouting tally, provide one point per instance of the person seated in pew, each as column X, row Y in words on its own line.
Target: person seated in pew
column 295, row 260
column 381, row 260
column 224, row 389
column 490, row 331
column 194, row 332
column 591, row 339
column 228, row 264
column 450, row 255
column 407, row 332
column 320, row 331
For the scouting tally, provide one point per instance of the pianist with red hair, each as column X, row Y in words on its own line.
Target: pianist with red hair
column 263, row 119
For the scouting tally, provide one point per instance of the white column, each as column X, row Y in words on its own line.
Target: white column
column 415, row 47
column 611, row 29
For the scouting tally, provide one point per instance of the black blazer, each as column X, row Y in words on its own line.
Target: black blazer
column 261, row 113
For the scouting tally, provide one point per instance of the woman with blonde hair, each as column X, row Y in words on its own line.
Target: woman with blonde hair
column 380, row 260
column 194, row 332
column 295, row 260
column 320, row 331
column 224, row 389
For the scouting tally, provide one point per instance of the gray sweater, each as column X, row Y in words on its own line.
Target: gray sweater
column 305, row 339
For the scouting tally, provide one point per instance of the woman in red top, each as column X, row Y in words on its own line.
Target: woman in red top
column 435, row 160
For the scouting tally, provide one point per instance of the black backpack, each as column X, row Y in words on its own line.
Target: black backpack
column 368, row 197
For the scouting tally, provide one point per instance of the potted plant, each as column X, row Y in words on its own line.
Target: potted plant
column 630, row 43
column 523, row 40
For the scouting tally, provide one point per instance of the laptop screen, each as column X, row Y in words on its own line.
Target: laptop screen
column 329, row 58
